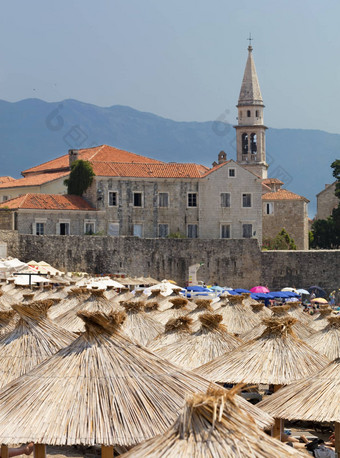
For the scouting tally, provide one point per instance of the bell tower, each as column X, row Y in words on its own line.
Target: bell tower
column 250, row 130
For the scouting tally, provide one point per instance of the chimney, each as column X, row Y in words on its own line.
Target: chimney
column 72, row 156
column 222, row 157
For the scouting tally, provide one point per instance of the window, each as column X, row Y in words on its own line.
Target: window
column 4, row 198
column 225, row 199
column 192, row 199
column 192, row 231
column 225, row 231
column 163, row 230
column 253, row 143
column 113, row 229
column 232, row 173
column 257, row 113
column 64, row 228
column 39, row 228
column 246, row 200
column 137, row 199
column 244, row 143
column 269, row 208
column 248, row 113
column 137, row 230
column 247, row 231
column 163, row 199
column 113, row 199
column 89, row 227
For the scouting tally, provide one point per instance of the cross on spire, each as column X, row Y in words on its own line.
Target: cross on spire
column 250, row 39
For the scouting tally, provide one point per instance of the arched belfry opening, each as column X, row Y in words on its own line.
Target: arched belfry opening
column 253, row 144
column 244, row 143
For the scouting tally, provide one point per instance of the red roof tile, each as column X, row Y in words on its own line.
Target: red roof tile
column 272, row 180
column 161, row 170
column 283, row 194
column 33, row 180
column 6, row 179
column 47, row 202
column 102, row 153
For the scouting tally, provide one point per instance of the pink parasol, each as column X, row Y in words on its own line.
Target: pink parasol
column 259, row 289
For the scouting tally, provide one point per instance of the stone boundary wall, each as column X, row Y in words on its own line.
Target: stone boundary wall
column 238, row 263
column 301, row 269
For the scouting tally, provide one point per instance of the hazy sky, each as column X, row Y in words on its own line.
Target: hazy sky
column 181, row 59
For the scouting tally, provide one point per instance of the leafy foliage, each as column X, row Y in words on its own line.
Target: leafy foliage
column 80, row 178
column 283, row 241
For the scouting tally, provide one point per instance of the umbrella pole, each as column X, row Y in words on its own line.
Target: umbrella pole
column 337, row 438
column 39, row 451
column 277, row 429
column 4, row 451
column 107, row 451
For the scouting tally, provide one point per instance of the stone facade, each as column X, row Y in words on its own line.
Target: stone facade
column 326, row 201
column 288, row 214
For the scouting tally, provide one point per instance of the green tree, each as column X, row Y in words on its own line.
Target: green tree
column 283, row 241
column 80, row 178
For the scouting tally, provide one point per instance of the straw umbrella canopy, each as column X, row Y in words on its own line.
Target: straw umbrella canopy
column 257, row 307
column 314, row 398
column 175, row 330
column 123, row 295
column 7, row 321
column 204, row 345
column 34, row 338
column 296, row 310
column 322, row 319
column 238, row 318
column 180, row 306
column 302, row 331
column 277, row 357
column 327, row 341
column 139, row 326
column 213, row 425
column 6, row 300
column 73, row 298
column 101, row 389
column 96, row 301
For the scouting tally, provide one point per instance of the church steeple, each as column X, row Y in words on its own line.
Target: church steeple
column 250, row 131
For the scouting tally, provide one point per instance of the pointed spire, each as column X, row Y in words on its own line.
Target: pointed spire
column 250, row 93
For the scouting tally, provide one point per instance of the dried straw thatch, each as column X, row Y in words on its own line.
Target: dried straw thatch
column 327, row 341
column 302, row 331
column 101, row 389
column 96, row 301
column 6, row 300
column 180, row 306
column 74, row 297
column 277, row 357
column 322, row 319
column 176, row 329
column 7, row 321
column 238, row 318
column 213, row 425
column 139, row 326
column 124, row 294
column 211, row 341
column 34, row 338
column 296, row 310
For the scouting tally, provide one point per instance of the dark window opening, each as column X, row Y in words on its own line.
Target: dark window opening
column 247, row 231
column 244, row 143
column 137, row 199
column 192, row 200
column 253, row 144
column 248, row 113
column 64, row 228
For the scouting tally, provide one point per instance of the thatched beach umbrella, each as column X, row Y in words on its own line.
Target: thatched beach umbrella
column 302, row 331
column 238, row 317
column 180, row 306
column 277, row 357
column 96, row 301
column 34, row 338
column 296, row 310
column 7, row 321
column 176, row 329
column 327, row 340
column 314, row 398
column 6, row 300
column 209, row 342
column 322, row 319
column 75, row 296
column 139, row 326
column 124, row 294
column 101, row 389
column 257, row 307
column 213, row 425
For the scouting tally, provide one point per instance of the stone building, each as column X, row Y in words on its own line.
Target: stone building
column 326, row 201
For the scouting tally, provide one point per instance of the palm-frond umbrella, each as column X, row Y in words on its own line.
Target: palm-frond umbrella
column 314, row 398
column 327, row 340
column 202, row 346
column 101, row 389
column 139, row 326
column 176, row 329
column 213, row 425
column 34, row 338
column 238, row 318
column 302, row 331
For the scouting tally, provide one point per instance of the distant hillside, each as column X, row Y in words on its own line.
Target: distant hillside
column 33, row 131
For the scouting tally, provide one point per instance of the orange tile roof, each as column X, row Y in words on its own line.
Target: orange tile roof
column 283, row 194
column 33, row 180
column 102, row 153
column 271, row 180
column 161, row 170
column 6, row 179
column 213, row 169
column 47, row 202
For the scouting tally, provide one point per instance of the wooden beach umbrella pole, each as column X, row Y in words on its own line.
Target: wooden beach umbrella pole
column 277, row 429
column 107, row 451
column 39, row 451
column 337, row 438
column 4, row 451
